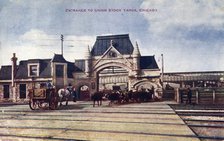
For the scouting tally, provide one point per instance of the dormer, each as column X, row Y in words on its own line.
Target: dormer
column 33, row 67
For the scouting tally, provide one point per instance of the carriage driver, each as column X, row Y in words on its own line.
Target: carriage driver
column 71, row 89
column 49, row 85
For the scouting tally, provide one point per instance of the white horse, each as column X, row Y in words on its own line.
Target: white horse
column 64, row 95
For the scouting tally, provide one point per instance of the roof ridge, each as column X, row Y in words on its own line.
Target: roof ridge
column 112, row 36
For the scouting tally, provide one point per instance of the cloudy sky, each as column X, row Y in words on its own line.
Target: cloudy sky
column 189, row 33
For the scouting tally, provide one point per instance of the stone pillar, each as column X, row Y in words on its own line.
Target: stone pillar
column 87, row 58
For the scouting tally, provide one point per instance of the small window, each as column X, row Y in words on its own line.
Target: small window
column 59, row 70
column 33, row 70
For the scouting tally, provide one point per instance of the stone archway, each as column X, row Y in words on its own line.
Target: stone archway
column 144, row 84
column 149, row 85
column 83, row 91
column 120, row 76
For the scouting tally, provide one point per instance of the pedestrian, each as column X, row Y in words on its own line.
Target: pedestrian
column 189, row 96
column 74, row 94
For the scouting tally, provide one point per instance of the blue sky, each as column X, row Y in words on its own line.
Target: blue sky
column 189, row 33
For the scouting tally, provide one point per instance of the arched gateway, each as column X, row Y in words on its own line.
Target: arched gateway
column 112, row 61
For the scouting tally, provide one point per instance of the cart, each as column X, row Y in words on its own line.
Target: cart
column 43, row 98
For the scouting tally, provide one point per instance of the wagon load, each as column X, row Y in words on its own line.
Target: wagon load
column 39, row 93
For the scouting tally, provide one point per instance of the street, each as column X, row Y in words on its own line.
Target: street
column 81, row 121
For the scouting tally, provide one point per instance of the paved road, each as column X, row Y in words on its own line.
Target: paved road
column 154, row 121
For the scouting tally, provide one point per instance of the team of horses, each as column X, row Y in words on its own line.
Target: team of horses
column 120, row 97
column 114, row 97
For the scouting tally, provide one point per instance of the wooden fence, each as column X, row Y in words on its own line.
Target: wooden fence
column 201, row 95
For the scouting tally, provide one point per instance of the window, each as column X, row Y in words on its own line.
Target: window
column 59, row 70
column 22, row 90
column 6, row 91
column 33, row 70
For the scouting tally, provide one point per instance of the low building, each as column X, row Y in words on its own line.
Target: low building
column 15, row 80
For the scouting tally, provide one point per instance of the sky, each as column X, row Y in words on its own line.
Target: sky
column 189, row 33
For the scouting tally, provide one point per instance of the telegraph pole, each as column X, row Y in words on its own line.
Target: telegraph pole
column 162, row 69
column 62, row 39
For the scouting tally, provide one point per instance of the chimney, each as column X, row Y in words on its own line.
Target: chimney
column 14, row 68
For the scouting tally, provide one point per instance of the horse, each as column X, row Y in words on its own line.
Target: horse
column 64, row 95
column 114, row 97
column 97, row 97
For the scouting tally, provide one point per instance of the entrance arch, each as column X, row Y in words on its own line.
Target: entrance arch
column 145, row 84
column 114, row 63
column 111, row 76
column 83, row 92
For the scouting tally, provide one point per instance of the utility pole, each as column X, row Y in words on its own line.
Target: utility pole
column 62, row 39
column 162, row 69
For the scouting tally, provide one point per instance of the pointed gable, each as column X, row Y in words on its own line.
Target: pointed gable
column 121, row 43
column 58, row 58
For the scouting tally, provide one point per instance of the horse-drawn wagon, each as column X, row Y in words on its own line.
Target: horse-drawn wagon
column 43, row 98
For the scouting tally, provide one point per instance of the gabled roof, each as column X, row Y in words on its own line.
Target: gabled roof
column 6, row 73
column 148, row 62
column 121, row 42
column 59, row 58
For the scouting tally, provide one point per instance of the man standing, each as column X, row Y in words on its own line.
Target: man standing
column 189, row 96
column 74, row 94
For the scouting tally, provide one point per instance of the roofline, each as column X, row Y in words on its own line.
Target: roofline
column 34, row 59
column 112, row 36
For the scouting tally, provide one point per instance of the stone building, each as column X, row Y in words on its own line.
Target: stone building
column 112, row 62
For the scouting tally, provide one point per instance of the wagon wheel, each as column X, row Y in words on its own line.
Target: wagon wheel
column 33, row 104
column 53, row 100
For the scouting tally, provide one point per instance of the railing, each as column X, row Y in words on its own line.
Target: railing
column 201, row 95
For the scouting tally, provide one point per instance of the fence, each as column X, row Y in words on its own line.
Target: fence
column 201, row 95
